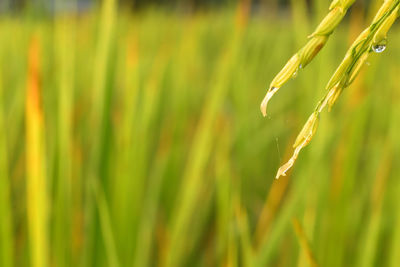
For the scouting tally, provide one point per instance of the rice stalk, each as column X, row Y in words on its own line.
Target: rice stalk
column 126, row 149
column 304, row 243
column 369, row 250
column 394, row 256
column 105, row 225
column 36, row 184
column 372, row 39
column 317, row 40
column 224, row 195
column 62, row 233
column 6, row 213
column 148, row 220
column 242, row 223
column 97, row 117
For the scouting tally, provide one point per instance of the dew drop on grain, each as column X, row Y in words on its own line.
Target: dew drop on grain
column 379, row 48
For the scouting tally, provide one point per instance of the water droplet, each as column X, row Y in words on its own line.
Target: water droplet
column 379, row 47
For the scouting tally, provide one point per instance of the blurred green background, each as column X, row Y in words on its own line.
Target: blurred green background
column 131, row 135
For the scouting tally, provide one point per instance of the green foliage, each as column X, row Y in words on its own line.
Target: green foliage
column 155, row 153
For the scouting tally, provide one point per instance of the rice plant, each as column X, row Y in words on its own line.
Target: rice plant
column 372, row 39
column 135, row 139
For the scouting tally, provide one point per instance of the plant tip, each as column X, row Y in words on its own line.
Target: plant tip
column 268, row 96
column 284, row 168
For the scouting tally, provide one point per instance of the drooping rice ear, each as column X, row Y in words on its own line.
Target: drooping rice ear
column 346, row 72
column 305, row 55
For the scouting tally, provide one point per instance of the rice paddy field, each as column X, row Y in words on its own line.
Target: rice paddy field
column 136, row 139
